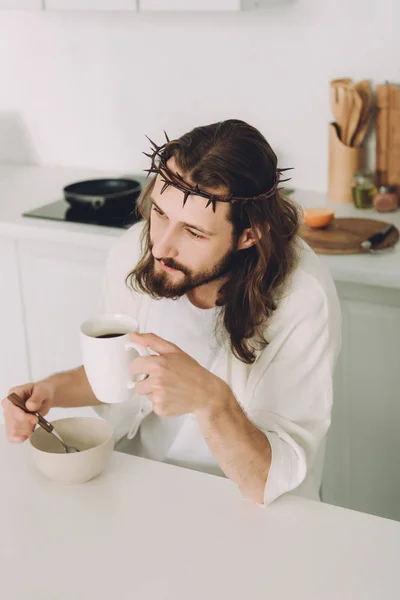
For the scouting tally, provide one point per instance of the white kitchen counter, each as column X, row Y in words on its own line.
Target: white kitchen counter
column 23, row 188
column 151, row 531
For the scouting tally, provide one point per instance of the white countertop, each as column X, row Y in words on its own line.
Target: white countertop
column 151, row 531
column 23, row 188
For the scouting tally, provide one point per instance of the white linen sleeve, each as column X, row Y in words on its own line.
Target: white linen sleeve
column 293, row 397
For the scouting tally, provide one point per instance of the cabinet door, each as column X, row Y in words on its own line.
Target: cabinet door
column 188, row 5
column 14, row 368
column 363, row 450
column 22, row 4
column 61, row 284
column 206, row 5
column 90, row 4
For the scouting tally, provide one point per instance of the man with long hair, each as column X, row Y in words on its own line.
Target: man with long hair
column 242, row 318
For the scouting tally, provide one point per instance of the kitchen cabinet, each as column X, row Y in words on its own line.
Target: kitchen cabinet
column 91, row 5
column 363, row 449
column 61, row 285
column 14, row 367
column 22, row 4
column 204, row 5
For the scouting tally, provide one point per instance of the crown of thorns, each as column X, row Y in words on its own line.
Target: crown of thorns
column 159, row 166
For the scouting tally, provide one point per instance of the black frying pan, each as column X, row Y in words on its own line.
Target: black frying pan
column 104, row 194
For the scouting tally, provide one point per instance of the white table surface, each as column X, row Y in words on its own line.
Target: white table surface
column 24, row 188
column 149, row 531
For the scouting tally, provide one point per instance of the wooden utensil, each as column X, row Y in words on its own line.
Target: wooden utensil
column 344, row 80
column 17, row 401
column 342, row 99
column 354, row 116
column 346, row 99
column 364, row 92
column 339, row 110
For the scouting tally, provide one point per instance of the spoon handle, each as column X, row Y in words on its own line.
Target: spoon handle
column 17, row 401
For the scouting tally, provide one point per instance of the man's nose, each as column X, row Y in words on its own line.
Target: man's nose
column 164, row 246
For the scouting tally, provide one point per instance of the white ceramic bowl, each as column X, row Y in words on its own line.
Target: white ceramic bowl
column 94, row 437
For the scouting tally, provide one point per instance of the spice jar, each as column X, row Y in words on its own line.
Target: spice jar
column 386, row 199
column 363, row 189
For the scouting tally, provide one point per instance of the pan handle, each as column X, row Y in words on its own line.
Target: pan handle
column 95, row 202
column 98, row 202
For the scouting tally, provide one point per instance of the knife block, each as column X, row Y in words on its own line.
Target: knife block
column 344, row 162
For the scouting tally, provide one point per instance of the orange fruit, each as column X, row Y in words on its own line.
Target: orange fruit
column 318, row 217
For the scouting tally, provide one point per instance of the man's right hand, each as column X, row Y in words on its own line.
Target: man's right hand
column 39, row 398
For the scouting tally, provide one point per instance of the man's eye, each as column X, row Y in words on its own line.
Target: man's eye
column 158, row 212
column 195, row 235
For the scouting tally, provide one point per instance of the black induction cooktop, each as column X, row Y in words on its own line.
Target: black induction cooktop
column 63, row 211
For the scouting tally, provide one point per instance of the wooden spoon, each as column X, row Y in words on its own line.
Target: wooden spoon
column 339, row 106
column 344, row 80
column 364, row 92
column 345, row 99
column 354, row 116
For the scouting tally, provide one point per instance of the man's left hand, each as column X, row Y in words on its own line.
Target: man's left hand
column 176, row 383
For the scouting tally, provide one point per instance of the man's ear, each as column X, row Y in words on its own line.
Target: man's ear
column 248, row 238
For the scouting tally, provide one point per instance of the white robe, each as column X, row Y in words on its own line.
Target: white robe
column 287, row 392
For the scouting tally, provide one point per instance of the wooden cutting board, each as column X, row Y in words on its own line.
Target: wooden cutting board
column 344, row 236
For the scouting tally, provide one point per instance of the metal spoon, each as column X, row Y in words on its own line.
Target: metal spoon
column 17, row 401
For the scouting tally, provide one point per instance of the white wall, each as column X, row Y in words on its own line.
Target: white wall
column 82, row 89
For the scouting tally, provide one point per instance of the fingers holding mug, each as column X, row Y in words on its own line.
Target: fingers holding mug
column 140, row 368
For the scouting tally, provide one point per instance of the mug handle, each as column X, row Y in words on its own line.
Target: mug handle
column 143, row 351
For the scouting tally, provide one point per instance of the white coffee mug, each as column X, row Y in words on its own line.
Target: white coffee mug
column 107, row 353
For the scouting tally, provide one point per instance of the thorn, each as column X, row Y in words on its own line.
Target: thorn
column 153, row 143
column 164, row 187
column 185, row 197
column 166, row 137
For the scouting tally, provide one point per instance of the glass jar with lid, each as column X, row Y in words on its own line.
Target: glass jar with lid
column 386, row 199
column 364, row 189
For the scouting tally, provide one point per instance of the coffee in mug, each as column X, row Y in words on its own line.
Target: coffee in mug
column 107, row 354
column 109, row 335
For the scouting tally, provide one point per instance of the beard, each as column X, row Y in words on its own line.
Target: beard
column 161, row 285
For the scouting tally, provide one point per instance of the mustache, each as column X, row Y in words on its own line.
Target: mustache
column 170, row 262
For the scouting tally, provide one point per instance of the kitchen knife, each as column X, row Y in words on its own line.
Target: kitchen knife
column 377, row 238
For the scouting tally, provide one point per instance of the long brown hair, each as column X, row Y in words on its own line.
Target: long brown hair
column 234, row 155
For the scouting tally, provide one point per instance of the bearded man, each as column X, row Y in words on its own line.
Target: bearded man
column 242, row 318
